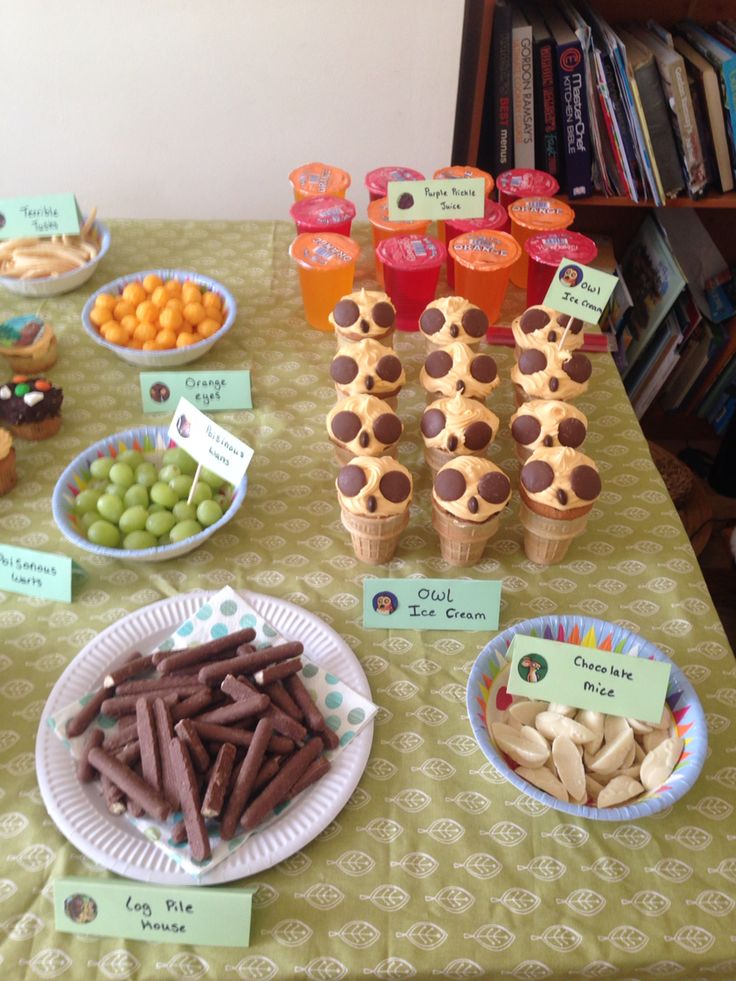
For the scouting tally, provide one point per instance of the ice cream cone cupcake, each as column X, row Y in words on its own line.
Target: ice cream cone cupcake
column 458, row 368
column 456, row 426
column 542, row 325
column 364, row 314
column 374, row 495
column 368, row 368
column 452, row 318
column 363, row 425
column 28, row 344
column 544, row 423
column 558, row 487
column 8, row 475
column 545, row 372
column 467, row 497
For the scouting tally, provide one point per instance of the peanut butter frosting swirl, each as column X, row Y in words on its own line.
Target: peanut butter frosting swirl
column 548, row 422
column 459, row 368
column 374, row 486
column 458, row 425
column 363, row 314
column 545, row 372
column 6, row 443
column 364, row 424
column 472, row 489
column 540, row 324
column 367, row 368
column 453, row 318
column 560, row 477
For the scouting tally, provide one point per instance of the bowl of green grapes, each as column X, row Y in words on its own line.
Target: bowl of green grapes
column 137, row 496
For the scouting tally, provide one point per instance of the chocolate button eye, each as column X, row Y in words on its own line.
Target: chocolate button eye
column 449, row 484
column 571, row 432
column 531, row 361
column 578, row 368
column 433, row 422
column 364, row 325
column 350, row 480
column 483, row 369
column 533, row 319
column 478, row 435
column 494, row 487
column 526, row 429
column 383, row 314
column 343, row 369
column 387, row 428
column 432, row 320
column 395, row 486
column 475, row 322
column 438, row 364
column 454, row 330
column 389, row 368
column 585, row 482
column 345, row 313
column 537, row 476
column 345, row 426
column 473, row 505
column 364, row 439
column 554, row 384
column 452, row 443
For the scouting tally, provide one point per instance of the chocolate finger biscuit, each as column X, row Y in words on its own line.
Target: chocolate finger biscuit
column 130, row 783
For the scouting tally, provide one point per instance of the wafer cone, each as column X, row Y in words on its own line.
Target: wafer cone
column 435, row 458
column 462, row 542
column 547, row 537
column 374, row 538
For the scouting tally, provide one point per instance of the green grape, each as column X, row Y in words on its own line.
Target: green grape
column 135, row 496
column 181, row 459
column 184, row 512
column 160, row 523
column 137, row 540
column 202, row 492
column 164, row 540
column 184, row 529
column 208, row 512
column 181, row 485
column 100, row 468
column 110, row 507
column 133, row 519
column 117, row 489
column 122, row 474
column 211, row 478
column 133, row 458
column 88, row 519
column 155, row 508
column 146, row 475
column 104, row 533
column 86, row 500
column 168, row 472
column 162, row 494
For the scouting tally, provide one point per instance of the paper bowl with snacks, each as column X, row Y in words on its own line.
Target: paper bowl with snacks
column 159, row 318
column 603, row 767
column 126, row 497
column 52, row 266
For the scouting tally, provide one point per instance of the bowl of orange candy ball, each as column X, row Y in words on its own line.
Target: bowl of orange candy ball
column 159, row 318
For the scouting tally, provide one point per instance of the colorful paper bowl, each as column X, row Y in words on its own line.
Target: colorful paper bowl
column 64, row 282
column 589, row 632
column 175, row 356
column 151, row 441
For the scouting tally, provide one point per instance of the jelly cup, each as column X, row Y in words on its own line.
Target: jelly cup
column 494, row 219
column 326, row 264
column 461, row 172
column 377, row 180
column 323, row 213
column 483, row 261
column 382, row 229
column 319, row 178
column 529, row 216
column 411, row 268
column 546, row 250
column 523, row 182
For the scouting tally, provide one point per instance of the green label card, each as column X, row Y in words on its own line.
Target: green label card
column 580, row 291
column 212, row 446
column 211, row 391
column 417, row 200
column 42, row 574
column 550, row 671
column 53, row 214
column 128, row 910
column 431, row 604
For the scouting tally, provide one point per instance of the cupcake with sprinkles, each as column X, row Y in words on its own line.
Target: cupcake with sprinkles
column 30, row 407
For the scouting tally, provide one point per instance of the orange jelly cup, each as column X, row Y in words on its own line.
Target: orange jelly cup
column 529, row 216
column 382, row 229
column 319, row 178
column 326, row 264
column 483, row 261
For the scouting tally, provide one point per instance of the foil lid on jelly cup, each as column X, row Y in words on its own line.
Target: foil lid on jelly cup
column 523, row 182
column 463, row 172
column 541, row 213
column 377, row 180
column 411, row 252
column 485, row 250
column 378, row 216
column 494, row 216
column 323, row 250
column 319, row 178
column 550, row 248
column 322, row 209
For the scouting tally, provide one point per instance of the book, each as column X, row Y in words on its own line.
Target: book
column 572, row 106
column 522, row 88
column 677, row 92
column 546, row 142
column 661, row 365
column 723, row 59
column 497, row 132
column 713, row 403
column 694, row 250
column 693, row 359
column 724, row 349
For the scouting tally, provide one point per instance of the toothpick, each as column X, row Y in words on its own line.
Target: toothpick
column 564, row 335
column 194, row 483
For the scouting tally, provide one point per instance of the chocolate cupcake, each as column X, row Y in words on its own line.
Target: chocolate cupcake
column 30, row 407
column 452, row 318
column 368, row 368
column 363, row 425
column 364, row 314
column 458, row 368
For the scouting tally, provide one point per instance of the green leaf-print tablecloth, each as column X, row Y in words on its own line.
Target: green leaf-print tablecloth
column 436, row 867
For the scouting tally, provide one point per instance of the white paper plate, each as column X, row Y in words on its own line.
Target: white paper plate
column 79, row 810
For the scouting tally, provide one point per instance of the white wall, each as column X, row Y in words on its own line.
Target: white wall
column 200, row 108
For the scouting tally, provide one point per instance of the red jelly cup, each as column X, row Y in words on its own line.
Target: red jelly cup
column 382, row 228
column 523, row 182
column 377, row 180
column 411, row 268
column 495, row 218
column 546, row 250
column 483, row 262
column 530, row 216
column 323, row 213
